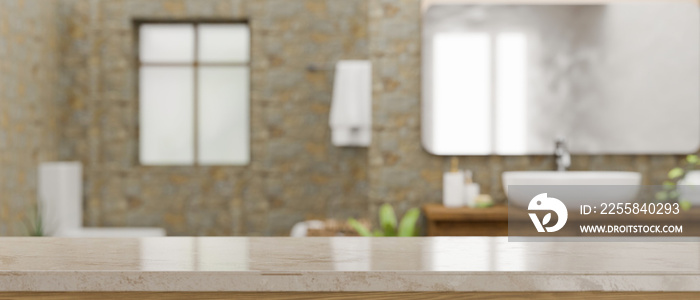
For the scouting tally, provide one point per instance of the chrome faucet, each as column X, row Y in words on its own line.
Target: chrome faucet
column 562, row 154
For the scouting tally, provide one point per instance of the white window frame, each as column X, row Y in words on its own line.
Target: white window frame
column 195, row 64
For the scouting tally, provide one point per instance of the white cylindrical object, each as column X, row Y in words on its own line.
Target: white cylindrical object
column 452, row 189
column 60, row 193
column 471, row 191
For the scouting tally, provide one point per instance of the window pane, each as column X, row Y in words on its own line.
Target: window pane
column 511, row 95
column 223, row 116
column 224, row 43
column 172, row 43
column 166, row 116
column 462, row 93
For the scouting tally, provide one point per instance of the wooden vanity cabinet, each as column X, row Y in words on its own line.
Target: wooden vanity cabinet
column 466, row 221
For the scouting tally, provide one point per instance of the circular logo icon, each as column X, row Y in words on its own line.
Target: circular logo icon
column 543, row 203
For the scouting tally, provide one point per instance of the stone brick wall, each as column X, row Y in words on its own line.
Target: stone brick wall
column 295, row 173
column 29, row 94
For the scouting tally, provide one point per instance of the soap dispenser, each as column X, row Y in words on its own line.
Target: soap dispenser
column 453, row 185
column 471, row 190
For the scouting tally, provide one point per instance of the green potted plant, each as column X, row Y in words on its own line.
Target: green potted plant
column 389, row 225
column 34, row 223
column 670, row 192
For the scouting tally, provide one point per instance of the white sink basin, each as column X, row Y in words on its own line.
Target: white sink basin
column 600, row 186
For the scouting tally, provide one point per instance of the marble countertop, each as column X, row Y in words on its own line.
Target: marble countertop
column 344, row 264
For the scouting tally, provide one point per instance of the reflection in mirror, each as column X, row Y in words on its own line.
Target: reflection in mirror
column 511, row 88
column 460, row 58
column 616, row 78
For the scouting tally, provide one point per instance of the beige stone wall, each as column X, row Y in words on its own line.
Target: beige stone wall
column 295, row 172
column 28, row 97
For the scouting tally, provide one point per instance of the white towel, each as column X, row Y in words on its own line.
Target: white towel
column 351, row 109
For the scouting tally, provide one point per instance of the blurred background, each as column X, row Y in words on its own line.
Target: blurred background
column 230, row 117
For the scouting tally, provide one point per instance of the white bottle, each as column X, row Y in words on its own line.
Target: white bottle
column 453, row 189
column 453, row 186
column 470, row 191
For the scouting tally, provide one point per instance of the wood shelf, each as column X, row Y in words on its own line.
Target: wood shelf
column 442, row 213
column 493, row 221
column 466, row 221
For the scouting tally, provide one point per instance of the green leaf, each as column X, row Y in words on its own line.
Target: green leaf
column 361, row 229
column 378, row 232
column 692, row 159
column 669, row 185
column 34, row 222
column 661, row 196
column 673, row 194
column 675, row 173
column 685, row 204
column 387, row 220
column 39, row 230
column 407, row 226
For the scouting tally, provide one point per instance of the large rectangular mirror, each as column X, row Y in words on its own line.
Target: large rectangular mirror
column 609, row 78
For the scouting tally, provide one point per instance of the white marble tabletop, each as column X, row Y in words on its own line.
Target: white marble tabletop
column 344, row 264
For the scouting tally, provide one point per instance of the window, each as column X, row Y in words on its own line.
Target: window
column 479, row 93
column 194, row 93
